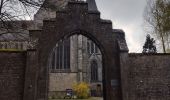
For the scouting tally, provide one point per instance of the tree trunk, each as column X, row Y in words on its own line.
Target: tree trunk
column 163, row 43
column 1, row 5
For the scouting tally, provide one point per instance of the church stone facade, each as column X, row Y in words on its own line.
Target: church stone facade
column 68, row 42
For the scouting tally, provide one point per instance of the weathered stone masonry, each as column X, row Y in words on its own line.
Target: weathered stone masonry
column 146, row 76
column 76, row 19
column 24, row 74
column 12, row 75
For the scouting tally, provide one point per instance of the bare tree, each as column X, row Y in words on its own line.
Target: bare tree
column 17, row 9
column 157, row 20
column 14, row 15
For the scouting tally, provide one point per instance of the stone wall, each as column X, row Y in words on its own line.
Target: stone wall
column 12, row 74
column 15, row 45
column 15, row 35
column 146, row 77
column 62, row 81
column 59, row 82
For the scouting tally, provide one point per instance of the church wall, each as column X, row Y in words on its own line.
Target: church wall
column 85, row 61
column 80, row 57
column 100, row 73
column 146, row 77
column 59, row 82
column 62, row 81
column 41, row 15
column 48, row 11
column 73, row 53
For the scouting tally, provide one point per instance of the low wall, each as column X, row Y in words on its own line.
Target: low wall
column 12, row 74
column 146, row 77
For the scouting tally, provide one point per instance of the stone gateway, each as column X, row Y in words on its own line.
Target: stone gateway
column 68, row 42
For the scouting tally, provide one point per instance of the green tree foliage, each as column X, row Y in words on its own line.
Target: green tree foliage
column 149, row 46
column 157, row 18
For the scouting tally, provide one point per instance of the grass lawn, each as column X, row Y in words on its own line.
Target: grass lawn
column 93, row 98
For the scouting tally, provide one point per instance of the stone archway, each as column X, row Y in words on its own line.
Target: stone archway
column 76, row 19
column 76, row 71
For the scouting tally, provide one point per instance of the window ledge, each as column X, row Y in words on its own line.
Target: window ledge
column 60, row 71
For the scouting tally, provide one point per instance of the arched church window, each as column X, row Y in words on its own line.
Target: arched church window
column 88, row 47
column 96, row 49
column 92, row 47
column 94, row 71
column 60, row 58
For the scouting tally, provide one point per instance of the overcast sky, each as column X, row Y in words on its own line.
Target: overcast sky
column 126, row 15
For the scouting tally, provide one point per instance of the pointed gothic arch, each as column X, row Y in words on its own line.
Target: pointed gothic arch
column 76, row 19
column 94, row 71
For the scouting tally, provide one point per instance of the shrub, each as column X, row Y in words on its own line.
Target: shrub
column 82, row 90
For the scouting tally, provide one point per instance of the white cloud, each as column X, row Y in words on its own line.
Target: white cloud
column 133, row 43
column 126, row 15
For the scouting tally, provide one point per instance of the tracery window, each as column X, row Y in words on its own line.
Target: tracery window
column 94, row 71
column 92, row 47
column 60, row 58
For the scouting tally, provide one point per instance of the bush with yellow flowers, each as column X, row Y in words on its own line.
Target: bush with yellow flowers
column 81, row 90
